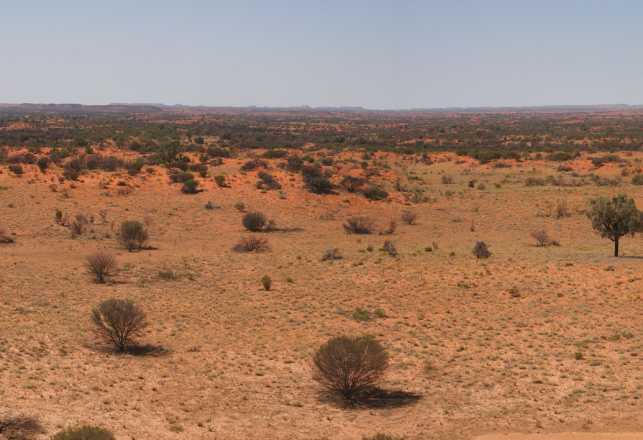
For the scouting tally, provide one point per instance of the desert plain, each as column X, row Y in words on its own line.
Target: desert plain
column 531, row 340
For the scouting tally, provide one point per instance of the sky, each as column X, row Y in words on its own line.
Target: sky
column 376, row 54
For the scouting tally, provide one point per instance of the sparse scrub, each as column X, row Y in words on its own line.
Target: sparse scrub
column 22, row 427
column 332, row 254
column 447, row 179
column 480, row 250
column 117, row 322
column 359, row 225
column 348, row 365
column 389, row 229
column 389, row 247
column 4, row 238
column 101, row 264
column 534, row 181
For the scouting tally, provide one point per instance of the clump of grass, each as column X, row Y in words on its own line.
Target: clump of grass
column 266, row 281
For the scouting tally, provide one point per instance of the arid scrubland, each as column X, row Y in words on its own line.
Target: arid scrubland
column 542, row 335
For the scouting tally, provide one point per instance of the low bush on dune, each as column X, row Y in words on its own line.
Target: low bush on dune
column 84, row 432
column 359, row 225
column 251, row 244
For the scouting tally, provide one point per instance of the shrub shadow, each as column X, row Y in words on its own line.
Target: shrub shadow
column 372, row 398
column 149, row 350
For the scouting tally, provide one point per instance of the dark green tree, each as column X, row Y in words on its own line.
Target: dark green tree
column 613, row 218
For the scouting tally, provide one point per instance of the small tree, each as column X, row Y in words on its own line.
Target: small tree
column 133, row 234
column 118, row 322
column 100, row 264
column 254, row 221
column 613, row 218
column 349, row 365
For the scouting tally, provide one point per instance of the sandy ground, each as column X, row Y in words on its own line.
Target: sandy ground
column 234, row 358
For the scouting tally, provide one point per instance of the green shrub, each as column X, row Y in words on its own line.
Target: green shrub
column 167, row 275
column 85, row 432
column 637, row 179
column 190, row 187
column 362, row 315
column 181, row 177
column 220, row 180
column 375, row 193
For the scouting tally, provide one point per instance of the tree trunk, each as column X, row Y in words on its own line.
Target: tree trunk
column 616, row 247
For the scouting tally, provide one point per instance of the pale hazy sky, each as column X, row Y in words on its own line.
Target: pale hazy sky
column 377, row 54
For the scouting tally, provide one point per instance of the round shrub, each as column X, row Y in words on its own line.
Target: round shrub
column 189, row 187
column 133, row 234
column 637, row 179
column 349, row 365
column 254, row 221
column 375, row 193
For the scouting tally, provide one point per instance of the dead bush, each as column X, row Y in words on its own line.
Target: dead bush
column 562, row 210
column 20, row 427
column 351, row 184
column 534, row 181
column 447, row 179
column 390, row 229
column 250, row 244
column 348, row 365
column 359, row 225
column 543, row 239
column 480, row 250
column 409, row 217
column 118, row 321
column 101, row 264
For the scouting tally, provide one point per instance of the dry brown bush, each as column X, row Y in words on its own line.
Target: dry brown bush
column 250, row 244
column 359, row 225
column 480, row 250
column 4, row 238
column 348, row 365
column 101, row 264
column 389, row 247
column 409, row 217
column 390, row 229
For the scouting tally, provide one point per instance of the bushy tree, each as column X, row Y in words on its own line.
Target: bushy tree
column 613, row 218
column 118, row 321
